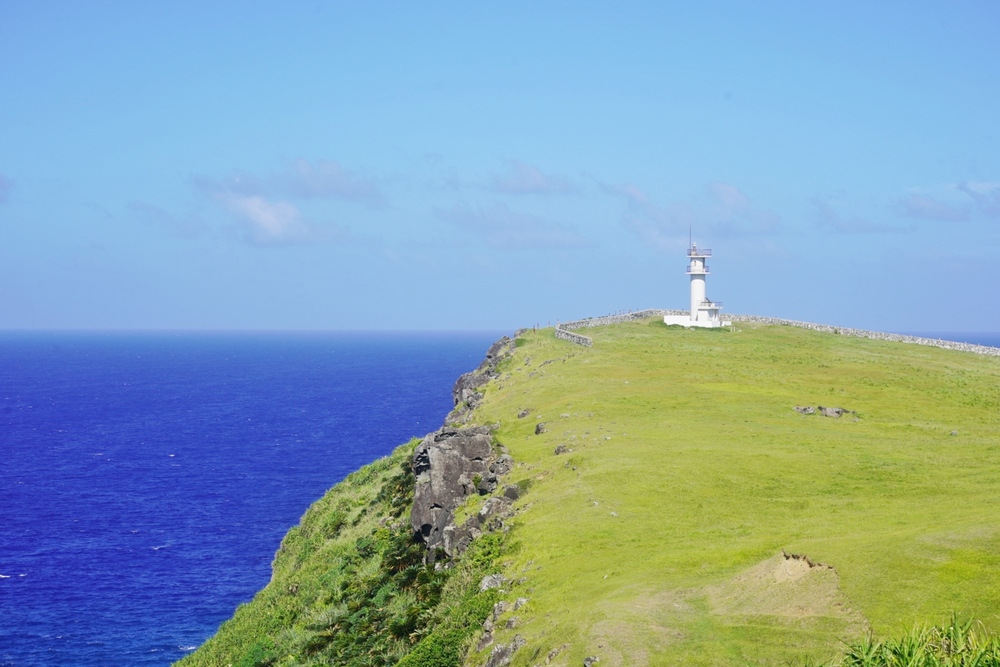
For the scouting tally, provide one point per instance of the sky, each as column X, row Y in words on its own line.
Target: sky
column 456, row 165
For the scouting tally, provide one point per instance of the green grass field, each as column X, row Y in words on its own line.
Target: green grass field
column 658, row 539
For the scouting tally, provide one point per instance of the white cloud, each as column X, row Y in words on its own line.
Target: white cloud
column 499, row 227
column 275, row 223
column 268, row 209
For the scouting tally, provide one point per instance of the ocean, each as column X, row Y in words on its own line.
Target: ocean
column 147, row 479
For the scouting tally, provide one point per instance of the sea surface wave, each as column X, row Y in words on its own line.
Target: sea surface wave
column 146, row 480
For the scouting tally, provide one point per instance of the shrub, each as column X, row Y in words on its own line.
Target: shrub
column 958, row 644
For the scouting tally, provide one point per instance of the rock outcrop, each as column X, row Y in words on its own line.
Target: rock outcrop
column 450, row 465
column 466, row 392
column 826, row 412
column 502, row 653
column 456, row 462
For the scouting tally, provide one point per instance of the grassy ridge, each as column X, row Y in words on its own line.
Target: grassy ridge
column 349, row 587
column 657, row 540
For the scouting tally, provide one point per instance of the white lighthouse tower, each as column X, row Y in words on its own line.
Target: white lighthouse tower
column 704, row 311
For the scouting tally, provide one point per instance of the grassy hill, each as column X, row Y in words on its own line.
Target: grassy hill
column 697, row 519
column 658, row 539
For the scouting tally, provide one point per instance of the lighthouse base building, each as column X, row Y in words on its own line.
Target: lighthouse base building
column 704, row 312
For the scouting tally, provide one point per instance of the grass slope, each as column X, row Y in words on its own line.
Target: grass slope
column 349, row 587
column 658, row 538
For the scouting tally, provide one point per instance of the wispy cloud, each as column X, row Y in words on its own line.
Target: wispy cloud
column 521, row 178
column 986, row 197
column 276, row 222
column 323, row 179
column 6, row 185
column 660, row 226
column 499, row 227
column 724, row 210
column 827, row 217
column 928, row 208
column 327, row 178
column 269, row 208
column 187, row 227
column 734, row 215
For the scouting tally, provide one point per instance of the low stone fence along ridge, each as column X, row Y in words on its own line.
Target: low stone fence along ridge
column 565, row 330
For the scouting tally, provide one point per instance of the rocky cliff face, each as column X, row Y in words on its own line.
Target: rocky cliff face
column 451, row 465
column 466, row 390
column 456, row 462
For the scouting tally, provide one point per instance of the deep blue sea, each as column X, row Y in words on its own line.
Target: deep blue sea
column 146, row 480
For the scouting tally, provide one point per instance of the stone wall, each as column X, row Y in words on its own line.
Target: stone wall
column 876, row 335
column 586, row 341
column 565, row 330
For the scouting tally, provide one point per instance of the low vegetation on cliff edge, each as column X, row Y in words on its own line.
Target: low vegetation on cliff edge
column 350, row 587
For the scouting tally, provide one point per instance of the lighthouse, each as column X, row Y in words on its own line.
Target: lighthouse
column 704, row 312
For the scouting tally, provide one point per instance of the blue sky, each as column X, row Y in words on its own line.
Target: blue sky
column 459, row 166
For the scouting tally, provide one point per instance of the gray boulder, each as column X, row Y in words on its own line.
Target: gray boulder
column 499, row 609
column 554, row 653
column 492, row 581
column 503, row 653
column 498, row 506
column 486, row 639
column 449, row 465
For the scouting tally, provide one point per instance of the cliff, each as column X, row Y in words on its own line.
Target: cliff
column 655, row 498
column 397, row 564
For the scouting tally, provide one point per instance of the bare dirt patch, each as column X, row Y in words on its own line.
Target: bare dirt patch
column 786, row 586
column 786, row 590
